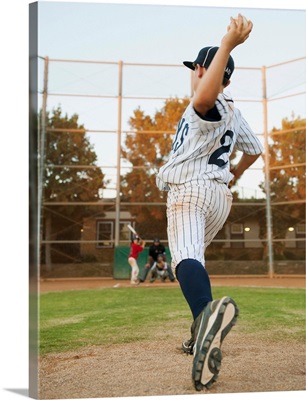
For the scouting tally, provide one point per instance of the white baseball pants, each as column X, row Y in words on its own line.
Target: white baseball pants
column 135, row 269
column 195, row 214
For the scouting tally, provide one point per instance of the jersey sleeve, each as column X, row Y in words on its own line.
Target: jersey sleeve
column 247, row 141
column 215, row 116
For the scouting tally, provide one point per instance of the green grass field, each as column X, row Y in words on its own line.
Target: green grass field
column 73, row 319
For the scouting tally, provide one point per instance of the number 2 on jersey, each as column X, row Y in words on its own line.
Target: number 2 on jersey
column 214, row 158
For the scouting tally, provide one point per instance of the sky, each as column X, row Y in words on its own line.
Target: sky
column 166, row 34
column 14, row 156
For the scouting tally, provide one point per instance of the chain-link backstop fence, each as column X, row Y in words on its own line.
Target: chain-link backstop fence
column 104, row 130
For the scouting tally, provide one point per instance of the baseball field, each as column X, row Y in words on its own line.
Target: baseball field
column 113, row 340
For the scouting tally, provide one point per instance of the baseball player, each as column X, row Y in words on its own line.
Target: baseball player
column 137, row 247
column 196, row 176
column 161, row 269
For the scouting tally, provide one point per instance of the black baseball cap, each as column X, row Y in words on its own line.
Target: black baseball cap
column 206, row 56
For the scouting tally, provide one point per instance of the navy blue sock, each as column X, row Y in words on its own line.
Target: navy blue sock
column 195, row 284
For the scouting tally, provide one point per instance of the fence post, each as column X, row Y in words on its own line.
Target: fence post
column 117, row 220
column 41, row 162
column 267, row 174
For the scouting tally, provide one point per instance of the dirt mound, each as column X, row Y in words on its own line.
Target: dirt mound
column 156, row 369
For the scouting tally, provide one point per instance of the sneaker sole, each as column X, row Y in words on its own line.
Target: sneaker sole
column 207, row 353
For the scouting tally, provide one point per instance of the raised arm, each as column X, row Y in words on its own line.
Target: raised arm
column 210, row 81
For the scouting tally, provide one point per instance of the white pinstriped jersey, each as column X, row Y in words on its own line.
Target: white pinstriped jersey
column 201, row 148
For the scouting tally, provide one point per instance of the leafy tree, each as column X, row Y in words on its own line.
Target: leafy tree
column 68, row 154
column 287, row 178
column 69, row 176
column 287, row 152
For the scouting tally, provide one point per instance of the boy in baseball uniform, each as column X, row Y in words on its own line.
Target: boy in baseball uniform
column 137, row 247
column 196, row 177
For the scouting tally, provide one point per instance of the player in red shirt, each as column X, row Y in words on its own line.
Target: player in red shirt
column 137, row 247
